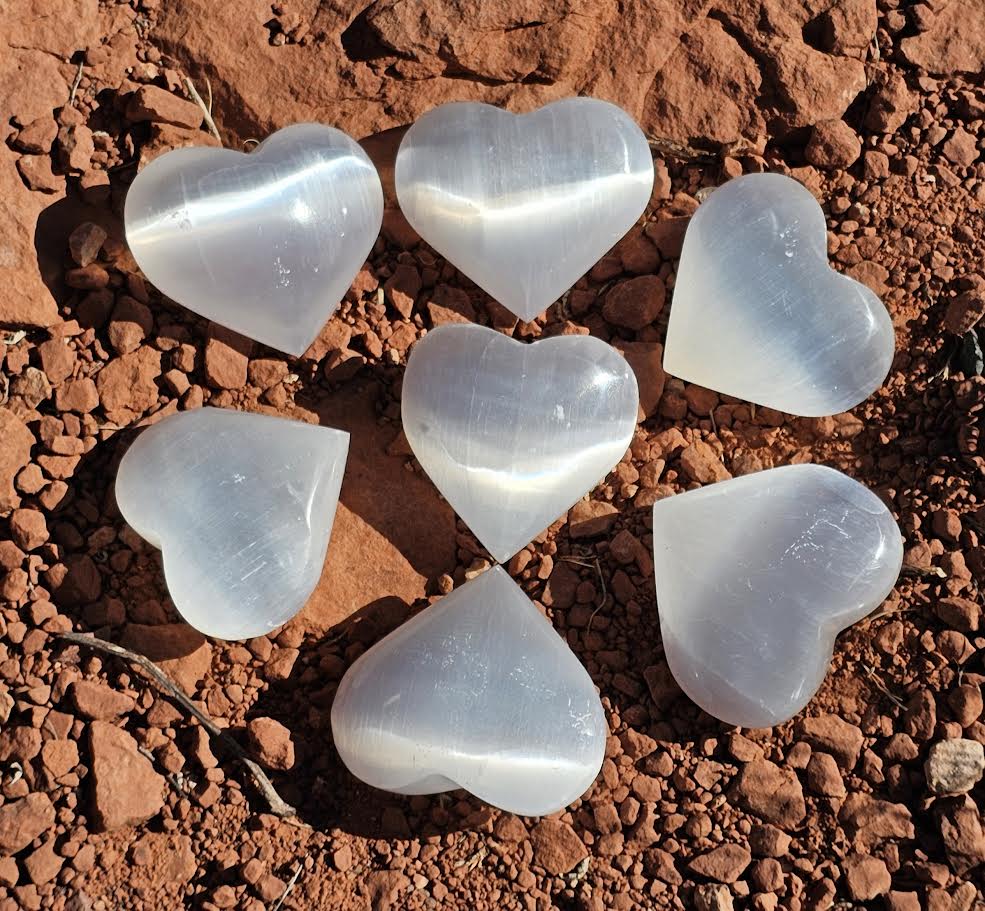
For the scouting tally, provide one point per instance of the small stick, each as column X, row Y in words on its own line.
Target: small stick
column 278, row 806
column 287, row 888
column 206, row 108
column 881, row 686
column 75, row 85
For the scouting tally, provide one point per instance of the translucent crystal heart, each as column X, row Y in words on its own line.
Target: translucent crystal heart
column 477, row 691
column 514, row 434
column 759, row 314
column 755, row 578
column 524, row 204
column 265, row 243
column 241, row 506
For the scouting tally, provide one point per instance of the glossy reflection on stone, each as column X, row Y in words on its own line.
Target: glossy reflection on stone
column 477, row 691
column 265, row 243
column 241, row 506
column 758, row 313
column 755, row 578
column 524, row 204
column 514, row 434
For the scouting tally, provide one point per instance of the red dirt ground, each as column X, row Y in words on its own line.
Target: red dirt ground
column 111, row 797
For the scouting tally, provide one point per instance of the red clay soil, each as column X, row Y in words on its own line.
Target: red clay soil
column 112, row 797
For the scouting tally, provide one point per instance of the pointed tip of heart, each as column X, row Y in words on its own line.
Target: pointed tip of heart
column 241, row 506
column 756, row 576
column 477, row 691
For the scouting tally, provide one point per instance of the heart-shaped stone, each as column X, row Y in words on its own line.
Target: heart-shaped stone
column 241, row 506
column 265, row 243
column 479, row 692
column 757, row 576
column 524, row 204
column 514, row 434
column 759, row 314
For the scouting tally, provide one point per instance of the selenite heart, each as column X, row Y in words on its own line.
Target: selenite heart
column 241, row 506
column 514, row 434
column 756, row 577
column 524, row 204
column 478, row 691
column 759, row 314
column 265, row 243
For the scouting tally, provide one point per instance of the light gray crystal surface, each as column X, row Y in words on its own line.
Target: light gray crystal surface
column 514, row 434
column 477, row 691
column 265, row 243
column 524, row 204
column 241, row 506
column 758, row 313
column 756, row 576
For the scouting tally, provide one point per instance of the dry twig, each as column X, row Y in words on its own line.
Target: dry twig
column 75, row 85
column 278, row 806
column 206, row 108
column 287, row 888
column 880, row 685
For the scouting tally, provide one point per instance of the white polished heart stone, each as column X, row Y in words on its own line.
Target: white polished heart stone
column 524, row 204
column 755, row 578
column 479, row 692
column 265, row 243
column 514, row 434
column 758, row 313
column 241, row 507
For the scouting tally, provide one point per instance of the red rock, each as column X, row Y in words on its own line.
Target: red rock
column 769, row 841
column 636, row 303
column 43, row 865
column 891, row 103
column 37, row 137
column 129, row 325
column 128, row 382
column 849, row 27
column 814, row 86
column 954, row 41
column 961, row 148
column 959, row 613
column 591, row 518
column 724, row 864
column 713, row 897
column 28, row 528
column 964, row 841
column 21, row 743
column 74, row 582
column 833, row 145
column 831, row 734
column 646, row 359
column 98, row 702
column 158, row 105
column 21, row 821
column 126, row 789
column 865, row 877
column 966, row 703
column 902, row 901
column 180, row 651
column 384, row 887
column 79, row 395
column 869, row 820
column 272, row 743
column 402, row 288
column 15, row 452
column 85, row 242
column 705, row 90
column 60, row 757
column 450, row 305
column 75, row 147
column 226, row 358
column 557, row 848
column 920, row 716
column 823, row 777
column 700, row 462
column 266, row 372
column 772, row 793
column 57, row 359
